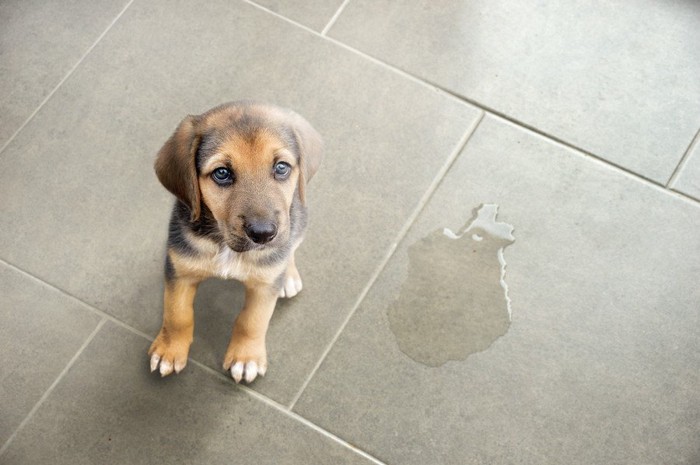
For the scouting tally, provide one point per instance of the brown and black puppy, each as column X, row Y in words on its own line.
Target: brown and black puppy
column 238, row 172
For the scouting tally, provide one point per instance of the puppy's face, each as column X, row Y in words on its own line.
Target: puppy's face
column 245, row 163
column 247, row 181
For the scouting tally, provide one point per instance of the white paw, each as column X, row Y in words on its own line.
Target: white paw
column 249, row 371
column 292, row 286
column 166, row 366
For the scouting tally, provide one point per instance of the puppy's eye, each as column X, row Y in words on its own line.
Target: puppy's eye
column 282, row 170
column 222, row 176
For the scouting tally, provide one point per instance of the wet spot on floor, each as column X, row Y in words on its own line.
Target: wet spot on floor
column 454, row 301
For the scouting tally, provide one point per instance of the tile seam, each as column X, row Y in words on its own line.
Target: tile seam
column 568, row 145
column 520, row 124
column 334, row 18
column 260, row 397
column 684, row 196
column 285, row 411
column 89, row 307
column 362, row 54
column 282, row 17
column 420, row 206
column 595, row 159
column 485, row 108
column 65, row 78
column 530, row 128
column 683, row 161
column 53, row 385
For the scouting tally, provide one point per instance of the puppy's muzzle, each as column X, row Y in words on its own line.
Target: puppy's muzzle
column 260, row 232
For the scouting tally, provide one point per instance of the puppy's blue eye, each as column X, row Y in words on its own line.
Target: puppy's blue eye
column 222, row 176
column 282, row 170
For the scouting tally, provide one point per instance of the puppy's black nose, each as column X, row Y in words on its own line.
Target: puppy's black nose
column 260, row 232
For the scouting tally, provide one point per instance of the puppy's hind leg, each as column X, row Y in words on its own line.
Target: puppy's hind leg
column 292, row 284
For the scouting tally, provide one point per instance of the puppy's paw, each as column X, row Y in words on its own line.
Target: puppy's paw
column 169, row 353
column 292, row 283
column 246, row 359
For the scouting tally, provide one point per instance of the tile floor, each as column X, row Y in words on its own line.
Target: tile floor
column 580, row 123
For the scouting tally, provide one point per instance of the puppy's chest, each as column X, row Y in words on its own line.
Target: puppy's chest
column 231, row 265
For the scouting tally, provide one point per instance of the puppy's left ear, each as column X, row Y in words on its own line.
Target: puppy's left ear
column 175, row 165
column 310, row 151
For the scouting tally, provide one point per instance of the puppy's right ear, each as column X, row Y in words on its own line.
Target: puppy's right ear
column 175, row 165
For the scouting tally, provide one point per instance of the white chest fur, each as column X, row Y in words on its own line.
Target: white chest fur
column 232, row 265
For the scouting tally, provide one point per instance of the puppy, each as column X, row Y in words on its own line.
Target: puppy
column 239, row 173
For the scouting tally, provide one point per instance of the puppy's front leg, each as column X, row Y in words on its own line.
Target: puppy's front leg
column 246, row 356
column 172, row 344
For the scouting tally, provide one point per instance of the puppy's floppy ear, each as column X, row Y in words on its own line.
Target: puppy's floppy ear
column 310, row 151
column 175, row 165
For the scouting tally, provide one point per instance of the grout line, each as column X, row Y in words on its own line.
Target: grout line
column 594, row 158
column 89, row 307
column 684, row 160
column 285, row 411
column 334, row 18
column 522, row 125
column 437, row 180
column 106, row 317
column 283, row 18
column 370, row 58
column 404, row 74
column 65, row 78
column 53, row 385
column 485, row 108
column 499, row 115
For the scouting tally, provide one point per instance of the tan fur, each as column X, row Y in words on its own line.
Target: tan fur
column 208, row 236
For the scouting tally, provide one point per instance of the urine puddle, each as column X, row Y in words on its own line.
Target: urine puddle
column 454, row 301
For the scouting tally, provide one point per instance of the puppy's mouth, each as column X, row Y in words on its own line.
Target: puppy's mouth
column 244, row 244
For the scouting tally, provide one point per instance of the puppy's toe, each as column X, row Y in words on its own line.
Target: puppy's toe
column 237, row 372
column 247, row 372
column 168, row 357
column 251, row 371
column 245, row 361
column 165, row 367
column 155, row 359
column 292, row 286
column 179, row 365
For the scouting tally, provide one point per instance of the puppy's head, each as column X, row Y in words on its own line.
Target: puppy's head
column 246, row 163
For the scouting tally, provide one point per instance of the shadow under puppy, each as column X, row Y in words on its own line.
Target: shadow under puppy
column 238, row 172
